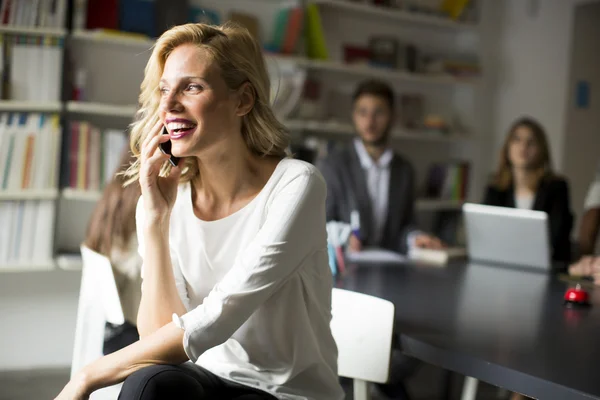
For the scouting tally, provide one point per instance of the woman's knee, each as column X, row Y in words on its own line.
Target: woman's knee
column 159, row 382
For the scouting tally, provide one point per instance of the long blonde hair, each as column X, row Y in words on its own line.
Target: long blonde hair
column 240, row 60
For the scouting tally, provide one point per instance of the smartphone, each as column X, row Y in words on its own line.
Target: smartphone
column 166, row 148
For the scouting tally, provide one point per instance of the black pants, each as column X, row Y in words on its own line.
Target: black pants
column 185, row 382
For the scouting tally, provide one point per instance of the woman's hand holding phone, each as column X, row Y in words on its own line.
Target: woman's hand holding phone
column 159, row 193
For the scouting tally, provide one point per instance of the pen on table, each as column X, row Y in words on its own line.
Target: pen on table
column 355, row 223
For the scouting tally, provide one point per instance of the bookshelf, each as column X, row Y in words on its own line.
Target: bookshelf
column 69, row 262
column 105, row 38
column 120, row 58
column 28, row 267
column 81, row 195
column 383, row 13
column 347, row 130
column 29, row 194
column 365, row 71
column 101, row 109
column 31, row 106
column 27, row 30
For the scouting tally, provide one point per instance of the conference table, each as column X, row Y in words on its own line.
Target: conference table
column 502, row 325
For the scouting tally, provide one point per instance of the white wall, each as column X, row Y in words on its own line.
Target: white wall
column 534, row 49
column 582, row 144
column 37, row 319
column 533, row 54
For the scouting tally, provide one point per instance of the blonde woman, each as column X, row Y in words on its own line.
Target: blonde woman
column 233, row 240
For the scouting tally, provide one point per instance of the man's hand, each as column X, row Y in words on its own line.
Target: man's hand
column 425, row 241
column 354, row 244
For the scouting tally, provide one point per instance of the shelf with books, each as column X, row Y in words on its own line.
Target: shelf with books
column 81, row 195
column 101, row 109
column 69, row 262
column 438, row 204
column 29, row 194
column 417, row 19
column 41, row 106
column 28, row 266
column 340, row 128
column 33, row 30
column 385, row 73
column 113, row 38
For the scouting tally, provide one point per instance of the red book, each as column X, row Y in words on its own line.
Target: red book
column 294, row 27
column 74, row 155
column 102, row 14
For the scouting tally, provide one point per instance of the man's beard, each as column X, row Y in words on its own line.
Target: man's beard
column 381, row 142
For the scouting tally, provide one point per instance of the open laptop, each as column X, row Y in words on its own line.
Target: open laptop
column 507, row 236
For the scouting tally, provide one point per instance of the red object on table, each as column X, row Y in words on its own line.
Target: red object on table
column 577, row 296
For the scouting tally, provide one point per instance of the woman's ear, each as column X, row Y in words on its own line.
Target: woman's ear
column 247, row 97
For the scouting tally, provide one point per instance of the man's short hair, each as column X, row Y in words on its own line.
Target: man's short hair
column 375, row 87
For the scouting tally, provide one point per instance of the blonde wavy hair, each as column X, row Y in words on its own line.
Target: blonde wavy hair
column 240, row 60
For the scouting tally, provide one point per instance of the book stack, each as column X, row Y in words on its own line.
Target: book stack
column 29, row 150
column 33, row 13
column 31, row 67
column 287, row 30
column 29, row 145
column 26, row 231
column 447, row 181
column 90, row 156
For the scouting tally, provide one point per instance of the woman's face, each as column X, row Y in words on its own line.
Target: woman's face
column 196, row 105
column 523, row 149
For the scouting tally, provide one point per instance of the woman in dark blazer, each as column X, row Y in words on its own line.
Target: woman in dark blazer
column 524, row 179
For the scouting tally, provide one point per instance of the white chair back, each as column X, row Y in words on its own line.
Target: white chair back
column 362, row 327
column 98, row 303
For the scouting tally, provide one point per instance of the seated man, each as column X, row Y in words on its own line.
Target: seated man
column 588, row 265
column 367, row 177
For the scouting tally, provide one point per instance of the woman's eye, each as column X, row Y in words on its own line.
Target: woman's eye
column 163, row 91
column 194, row 87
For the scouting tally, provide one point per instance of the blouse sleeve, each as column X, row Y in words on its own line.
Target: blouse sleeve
column 177, row 274
column 293, row 230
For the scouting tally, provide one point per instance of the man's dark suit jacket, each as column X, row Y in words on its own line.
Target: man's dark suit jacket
column 347, row 191
column 552, row 196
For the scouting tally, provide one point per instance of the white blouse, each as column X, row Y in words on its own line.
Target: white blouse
column 524, row 202
column 257, row 287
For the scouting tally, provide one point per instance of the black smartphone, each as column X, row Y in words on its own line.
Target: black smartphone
column 166, row 148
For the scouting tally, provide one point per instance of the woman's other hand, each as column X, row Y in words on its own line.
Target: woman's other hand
column 159, row 193
column 76, row 389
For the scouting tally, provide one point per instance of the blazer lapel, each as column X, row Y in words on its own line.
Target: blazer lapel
column 540, row 196
column 396, row 195
column 360, row 191
column 510, row 197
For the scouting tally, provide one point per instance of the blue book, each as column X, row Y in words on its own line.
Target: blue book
column 138, row 16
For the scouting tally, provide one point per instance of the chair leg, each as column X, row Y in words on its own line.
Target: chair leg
column 447, row 376
column 361, row 390
column 469, row 388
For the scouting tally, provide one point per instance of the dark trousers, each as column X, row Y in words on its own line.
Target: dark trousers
column 185, row 382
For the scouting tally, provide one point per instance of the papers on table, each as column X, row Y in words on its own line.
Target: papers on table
column 437, row 257
column 375, row 256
